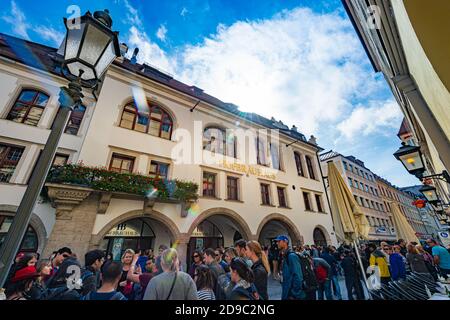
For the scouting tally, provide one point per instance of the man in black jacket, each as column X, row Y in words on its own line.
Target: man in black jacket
column 90, row 274
column 351, row 273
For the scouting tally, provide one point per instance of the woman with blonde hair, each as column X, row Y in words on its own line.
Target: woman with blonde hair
column 416, row 260
column 260, row 267
column 126, row 286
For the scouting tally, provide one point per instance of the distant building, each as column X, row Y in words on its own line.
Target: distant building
column 362, row 183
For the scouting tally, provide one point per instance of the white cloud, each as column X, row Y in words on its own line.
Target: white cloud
column 49, row 33
column 149, row 52
column 376, row 118
column 161, row 33
column 184, row 12
column 17, row 19
column 132, row 15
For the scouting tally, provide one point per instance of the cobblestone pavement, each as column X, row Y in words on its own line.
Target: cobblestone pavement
column 274, row 288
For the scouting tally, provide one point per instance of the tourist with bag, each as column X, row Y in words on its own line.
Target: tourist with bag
column 111, row 274
column 242, row 277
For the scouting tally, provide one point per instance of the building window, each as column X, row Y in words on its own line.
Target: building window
column 282, row 197
column 376, row 192
column 356, row 184
column 28, row 107
column 378, row 206
column 209, row 184
column 30, row 240
column 319, row 203
column 350, row 182
column 122, row 164
column 76, row 116
column 308, row 206
column 345, row 165
column 232, row 188
column 261, row 151
column 9, row 158
column 60, row 159
column 361, row 185
column 217, row 141
column 382, row 207
column 373, row 204
column 310, row 167
column 298, row 163
column 371, row 191
column 265, row 194
column 275, row 156
column 357, row 171
column 350, row 167
column 159, row 169
column 367, row 188
column 153, row 120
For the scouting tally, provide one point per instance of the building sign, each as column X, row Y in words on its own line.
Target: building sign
column 122, row 230
column 248, row 170
column 444, row 237
column 381, row 230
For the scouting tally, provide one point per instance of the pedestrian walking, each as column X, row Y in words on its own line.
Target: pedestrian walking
column 377, row 259
column 292, row 285
column 323, row 273
column 441, row 258
column 274, row 260
column 171, row 284
column 331, row 260
column 90, row 275
column 205, row 283
column 197, row 258
column 397, row 264
column 216, row 269
column 402, row 244
column 260, row 268
column 242, row 277
column 241, row 248
column 351, row 273
column 220, row 260
column 111, row 276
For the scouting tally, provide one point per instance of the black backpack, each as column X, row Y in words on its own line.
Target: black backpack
column 309, row 277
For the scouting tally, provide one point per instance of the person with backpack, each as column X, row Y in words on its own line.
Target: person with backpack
column 216, row 269
column 260, row 267
column 331, row 260
column 242, row 277
column 224, row 281
column 58, row 258
column 351, row 273
column 66, row 283
column 90, row 275
column 292, row 285
column 111, row 274
column 172, row 284
column 323, row 271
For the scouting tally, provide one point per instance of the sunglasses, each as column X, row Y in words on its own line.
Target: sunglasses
column 196, row 256
column 65, row 255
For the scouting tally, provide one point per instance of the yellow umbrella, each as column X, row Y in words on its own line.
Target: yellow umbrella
column 349, row 221
column 402, row 226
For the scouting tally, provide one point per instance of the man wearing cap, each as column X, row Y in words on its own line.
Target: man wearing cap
column 292, row 286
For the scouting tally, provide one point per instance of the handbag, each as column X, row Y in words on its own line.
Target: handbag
column 173, row 285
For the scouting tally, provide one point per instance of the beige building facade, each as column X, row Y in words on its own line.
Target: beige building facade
column 363, row 185
column 256, row 177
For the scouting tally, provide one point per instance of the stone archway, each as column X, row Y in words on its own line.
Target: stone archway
column 35, row 222
column 232, row 215
column 285, row 222
column 155, row 215
column 320, row 234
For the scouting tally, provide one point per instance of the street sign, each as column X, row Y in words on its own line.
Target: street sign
column 444, row 237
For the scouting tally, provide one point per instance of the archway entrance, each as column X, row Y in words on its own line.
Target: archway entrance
column 137, row 233
column 319, row 237
column 213, row 230
column 274, row 225
column 30, row 240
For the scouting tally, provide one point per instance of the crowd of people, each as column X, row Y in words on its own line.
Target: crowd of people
column 240, row 272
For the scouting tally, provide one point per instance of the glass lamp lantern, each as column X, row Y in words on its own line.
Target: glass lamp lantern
column 430, row 194
column 411, row 158
column 90, row 45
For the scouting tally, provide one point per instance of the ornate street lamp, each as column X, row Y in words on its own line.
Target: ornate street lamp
column 411, row 158
column 429, row 192
column 89, row 48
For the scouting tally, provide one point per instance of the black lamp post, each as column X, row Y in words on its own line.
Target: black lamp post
column 89, row 48
column 429, row 192
column 411, row 158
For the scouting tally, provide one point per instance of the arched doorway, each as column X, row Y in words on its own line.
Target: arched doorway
column 137, row 233
column 218, row 227
column 274, row 225
column 319, row 237
column 30, row 241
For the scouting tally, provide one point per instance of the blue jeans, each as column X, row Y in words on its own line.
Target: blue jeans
column 337, row 291
column 325, row 287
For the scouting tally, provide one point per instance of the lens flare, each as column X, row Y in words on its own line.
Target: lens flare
column 152, row 192
column 194, row 210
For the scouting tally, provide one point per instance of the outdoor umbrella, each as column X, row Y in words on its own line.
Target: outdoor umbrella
column 402, row 226
column 350, row 223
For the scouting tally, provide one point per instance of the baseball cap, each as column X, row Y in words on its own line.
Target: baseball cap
column 282, row 238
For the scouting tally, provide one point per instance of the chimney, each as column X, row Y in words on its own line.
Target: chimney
column 294, row 128
column 123, row 51
column 133, row 59
column 312, row 140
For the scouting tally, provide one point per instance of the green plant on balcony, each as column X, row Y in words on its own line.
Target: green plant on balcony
column 99, row 178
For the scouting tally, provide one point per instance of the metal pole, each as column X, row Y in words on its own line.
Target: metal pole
column 68, row 98
column 361, row 265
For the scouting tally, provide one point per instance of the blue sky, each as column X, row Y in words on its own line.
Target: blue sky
column 299, row 61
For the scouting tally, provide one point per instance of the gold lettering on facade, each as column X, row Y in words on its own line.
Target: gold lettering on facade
column 246, row 169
